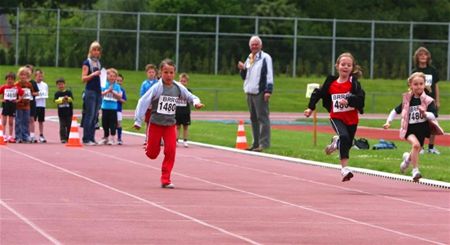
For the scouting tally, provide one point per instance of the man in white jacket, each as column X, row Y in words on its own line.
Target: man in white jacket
column 257, row 72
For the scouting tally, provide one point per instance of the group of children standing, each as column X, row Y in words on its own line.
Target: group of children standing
column 343, row 97
column 24, row 102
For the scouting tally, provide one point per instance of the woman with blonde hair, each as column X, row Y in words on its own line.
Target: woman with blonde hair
column 92, row 100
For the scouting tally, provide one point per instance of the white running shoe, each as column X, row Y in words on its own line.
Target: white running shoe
column 416, row 175
column 422, row 151
column 185, row 144
column 332, row 147
column 103, row 141
column 111, row 141
column 89, row 143
column 405, row 163
column 434, row 151
column 346, row 174
column 168, row 186
column 42, row 139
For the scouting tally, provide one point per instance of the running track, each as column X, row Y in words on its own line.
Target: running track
column 52, row 194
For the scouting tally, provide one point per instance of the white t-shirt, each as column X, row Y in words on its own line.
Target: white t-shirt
column 41, row 98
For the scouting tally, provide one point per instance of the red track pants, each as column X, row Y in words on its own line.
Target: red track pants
column 169, row 135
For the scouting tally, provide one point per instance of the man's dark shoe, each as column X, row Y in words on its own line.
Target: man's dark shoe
column 258, row 149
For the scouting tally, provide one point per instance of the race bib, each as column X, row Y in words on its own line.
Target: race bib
column 42, row 94
column 181, row 102
column 109, row 97
column 338, row 107
column 27, row 94
column 428, row 80
column 10, row 94
column 167, row 105
column 415, row 116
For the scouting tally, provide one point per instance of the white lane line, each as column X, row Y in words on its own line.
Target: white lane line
column 318, row 183
column 245, row 239
column 281, row 201
column 28, row 222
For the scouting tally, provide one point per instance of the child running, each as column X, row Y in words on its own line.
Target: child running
column 162, row 99
column 418, row 112
column 343, row 97
column 11, row 93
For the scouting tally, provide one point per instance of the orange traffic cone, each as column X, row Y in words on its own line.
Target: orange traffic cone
column 74, row 136
column 241, row 139
column 2, row 139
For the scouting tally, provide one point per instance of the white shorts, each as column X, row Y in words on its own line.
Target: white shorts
column 119, row 116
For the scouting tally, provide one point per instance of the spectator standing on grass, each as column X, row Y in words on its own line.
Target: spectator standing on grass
column 418, row 112
column 23, row 106
column 11, row 94
column 92, row 100
column 183, row 113
column 343, row 97
column 120, row 101
column 257, row 72
column 162, row 99
column 63, row 99
column 151, row 72
column 422, row 63
column 32, row 105
column 41, row 99
column 111, row 94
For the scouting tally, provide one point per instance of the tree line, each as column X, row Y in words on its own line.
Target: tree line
column 196, row 51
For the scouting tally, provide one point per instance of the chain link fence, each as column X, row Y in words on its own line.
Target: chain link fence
column 214, row 43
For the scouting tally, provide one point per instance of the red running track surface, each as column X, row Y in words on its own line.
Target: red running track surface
column 52, row 194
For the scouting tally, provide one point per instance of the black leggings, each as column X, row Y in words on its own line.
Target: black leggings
column 109, row 122
column 346, row 135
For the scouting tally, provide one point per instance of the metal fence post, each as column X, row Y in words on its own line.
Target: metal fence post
column 448, row 54
column 294, row 58
column 17, row 36
column 411, row 37
column 177, row 46
column 333, row 47
column 216, row 55
column 98, row 25
column 138, row 32
column 372, row 49
column 58, row 26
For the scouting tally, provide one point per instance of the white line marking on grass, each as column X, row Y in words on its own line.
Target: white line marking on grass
column 28, row 222
column 137, row 197
column 398, row 177
column 282, row 202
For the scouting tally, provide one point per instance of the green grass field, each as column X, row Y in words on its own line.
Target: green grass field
column 225, row 93
column 299, row 144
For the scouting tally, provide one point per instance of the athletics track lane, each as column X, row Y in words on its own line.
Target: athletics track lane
column 53, row 194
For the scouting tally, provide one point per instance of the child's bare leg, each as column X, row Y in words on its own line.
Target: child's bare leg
column 41, row 128
column 185, row 132
column 178, row 131
column 11, row 125
column 415, row 149
column 4, row 122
